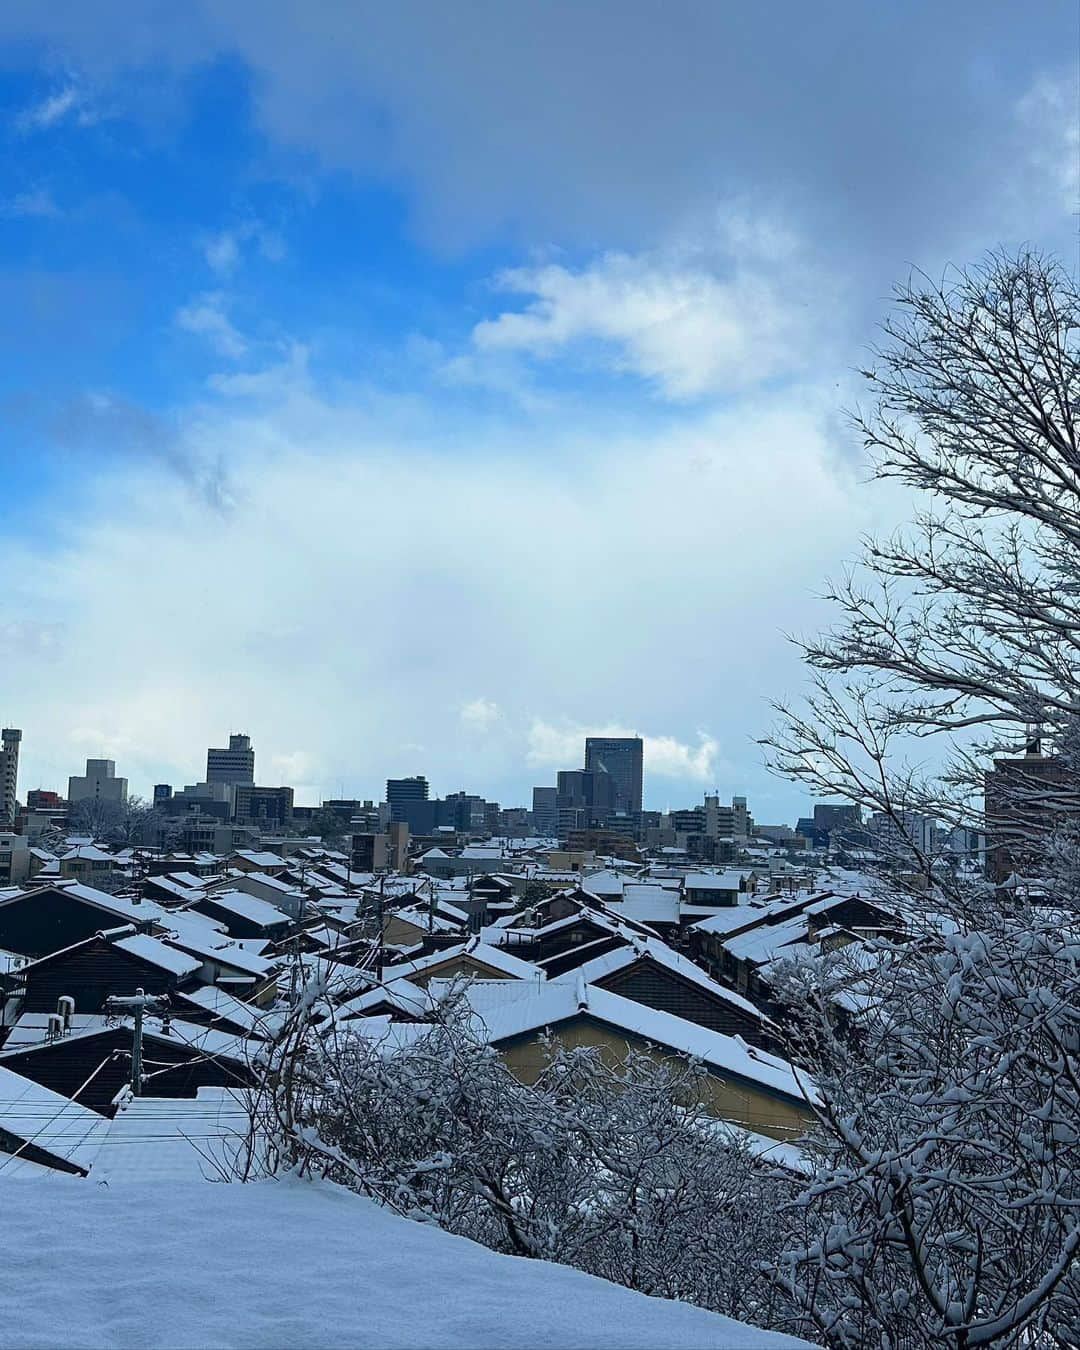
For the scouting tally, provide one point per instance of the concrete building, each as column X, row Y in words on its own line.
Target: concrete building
column 236, row 764
column 99, row 783
column 10, row 739
column 1028, row 799
column 15, row 858
column 402, row 790
column 210, row 799
column 623, row 758
column 162, row 793
column 545, row 810
column 267, row 807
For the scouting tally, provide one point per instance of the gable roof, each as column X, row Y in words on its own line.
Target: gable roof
column 244, row 906
column 49, row 1121
column 660, row 954
column 476, row 950
column 563, row 1001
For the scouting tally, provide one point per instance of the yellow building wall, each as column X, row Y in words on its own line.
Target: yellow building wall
column 731, row 1100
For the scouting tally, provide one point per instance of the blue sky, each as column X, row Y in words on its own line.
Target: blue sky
column 421, row 387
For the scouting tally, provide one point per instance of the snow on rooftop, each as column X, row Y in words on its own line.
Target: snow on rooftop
column 39, row 1116
column 305, row 1264
column 159, row 954
column 655, row 950
column 494, row 957
column 246, row 906
column 559, row 1001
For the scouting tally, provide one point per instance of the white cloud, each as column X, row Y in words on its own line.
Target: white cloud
column 562, row 746
column 35, row 203
column 479, row 715
column 63, row 105
column 648, row 588
column 1047, row 119
column 222, row 252
column 693, row 322
column 206, row 318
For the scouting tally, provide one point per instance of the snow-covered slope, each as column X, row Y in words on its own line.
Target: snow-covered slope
column 288, row 1263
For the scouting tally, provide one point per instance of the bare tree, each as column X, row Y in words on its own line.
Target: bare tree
column 949, row 1210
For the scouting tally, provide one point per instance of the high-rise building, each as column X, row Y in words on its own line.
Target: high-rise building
column 99, row 783
column 402, row 790
column 623, row 758
column 545, row 810
column 10, row 739
column 162, row 793
column 233, row 765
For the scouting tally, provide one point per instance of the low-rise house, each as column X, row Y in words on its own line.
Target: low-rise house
column 93, row 1064
column 243, row 915
column 117, row 961
column 256, row 861
column 473, row 959
column 43, row 1129
column 650, row 972
column 48, row 918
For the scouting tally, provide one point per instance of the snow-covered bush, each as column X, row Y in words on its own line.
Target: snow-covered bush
column 613, row 1169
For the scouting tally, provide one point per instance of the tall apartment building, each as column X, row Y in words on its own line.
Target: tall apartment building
column 623, row 757
column 233, row 765
column 10, row 740
column 99, row 783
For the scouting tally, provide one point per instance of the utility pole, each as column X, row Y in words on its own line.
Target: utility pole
column 138, row 1004
column 382, row 925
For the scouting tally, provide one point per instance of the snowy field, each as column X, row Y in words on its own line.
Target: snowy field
column 285, row 1263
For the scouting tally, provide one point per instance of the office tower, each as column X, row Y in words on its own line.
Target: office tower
column 623, row 758
column 162, row 793
column 10, row 739
column 234, row 765
column 595, row 790
column 545, row 810
column 99, row 783
column 399, row 791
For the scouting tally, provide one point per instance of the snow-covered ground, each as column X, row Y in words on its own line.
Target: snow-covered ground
column 289, row 1263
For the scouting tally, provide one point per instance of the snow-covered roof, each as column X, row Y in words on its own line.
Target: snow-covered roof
column 400, row 993
column 761, row 944
column 129, row 910
column 163, row 1139
column 730, row 880
column 219, row 1002
column 653, row 949
column 248, row 907
column 159, row 954
column 39, row 1116
column 88, row 853
column 648, row 904
column 224, row 951
column 560, row 1001
column 481, row 952
column 259, row 859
